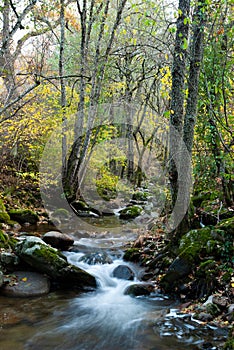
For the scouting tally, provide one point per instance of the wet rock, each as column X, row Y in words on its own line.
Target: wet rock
column 123, row 272
column 230, row 313
column 9, row 260
column 147, row 276
column 132, row 254
column 24, row 216
column 83, row 209
column 96, row 258
column 203, row 316
column 58, row 240
column 130, row 212
column 179, row 268
column 43, row 258
column 26, row 284
column 220, row 301
column 139, row 290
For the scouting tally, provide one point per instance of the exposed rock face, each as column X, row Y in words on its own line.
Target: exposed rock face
column 26, row 284
column 43, row 258
column 123, row 272
column 58, row 240
column 96, row 258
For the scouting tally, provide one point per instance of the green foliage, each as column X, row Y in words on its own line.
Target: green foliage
column 106, row 184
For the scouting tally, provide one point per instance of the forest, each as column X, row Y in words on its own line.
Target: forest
column 117, row 113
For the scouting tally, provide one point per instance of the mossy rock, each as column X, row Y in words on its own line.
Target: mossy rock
column 23, row 215
column 226, row 225
column 4, row 216
column 201, row 197
column 6, row 241
column 130, row 212
column 80, row 205
column 3, row 238
column 132, row 254
column 46, row 259
column 140, row 196
column 61, row 213
column 196, row 239
column 213, row 309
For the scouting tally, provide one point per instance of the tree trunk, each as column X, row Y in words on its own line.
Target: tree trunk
column 177, row 93
column 182, row 126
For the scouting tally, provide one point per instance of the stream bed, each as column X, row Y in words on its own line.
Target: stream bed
column 105, row 319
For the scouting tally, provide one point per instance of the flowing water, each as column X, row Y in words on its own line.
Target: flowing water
column 105, row 319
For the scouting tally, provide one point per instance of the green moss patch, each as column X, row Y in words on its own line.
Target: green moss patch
column 4, row 217
column 23, row 216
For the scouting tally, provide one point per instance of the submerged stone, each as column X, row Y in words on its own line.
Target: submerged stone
column 26, row 284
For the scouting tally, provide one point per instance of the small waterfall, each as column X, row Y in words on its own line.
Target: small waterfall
column 106, row 319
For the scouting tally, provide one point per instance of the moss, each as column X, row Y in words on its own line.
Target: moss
column 140, row 196
column 4, row 217
column 196, row 237
column 229, row 345
column 207, row 269
column 23, row 215
column 132, row 254
column 226, row 225
column 45, row 259
column 6, row 241
column 130, row 212
column 61, row 213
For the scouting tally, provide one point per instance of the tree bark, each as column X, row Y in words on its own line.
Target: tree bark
column 182, row 125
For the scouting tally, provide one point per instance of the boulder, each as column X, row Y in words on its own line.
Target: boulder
column 43, row 258
column 123, row 272
column 130, row 212
column 179, row 268
column 96, row 258
column 58, row 240
column 136, row 290
column 26, row 284
column 23, row 216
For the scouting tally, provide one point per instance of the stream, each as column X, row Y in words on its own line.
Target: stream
column 105, row 319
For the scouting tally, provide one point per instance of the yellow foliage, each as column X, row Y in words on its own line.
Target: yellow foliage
column 29, row 131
